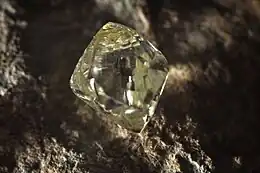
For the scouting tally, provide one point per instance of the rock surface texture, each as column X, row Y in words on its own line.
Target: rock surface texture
column 207, row 118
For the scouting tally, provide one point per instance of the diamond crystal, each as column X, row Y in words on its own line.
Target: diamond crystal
column 122, row 75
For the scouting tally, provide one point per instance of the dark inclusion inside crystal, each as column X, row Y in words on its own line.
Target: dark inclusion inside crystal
column 115, row 73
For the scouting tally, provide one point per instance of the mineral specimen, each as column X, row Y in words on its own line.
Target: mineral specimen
column 122, row 75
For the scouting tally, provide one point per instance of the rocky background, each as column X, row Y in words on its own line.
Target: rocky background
column 208, row 117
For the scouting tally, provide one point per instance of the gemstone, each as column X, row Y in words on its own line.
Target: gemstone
column 121, row 75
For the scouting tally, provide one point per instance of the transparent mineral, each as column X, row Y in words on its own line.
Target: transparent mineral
column 122, row 75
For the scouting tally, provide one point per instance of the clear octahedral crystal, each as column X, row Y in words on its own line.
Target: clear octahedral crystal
column 122, row 75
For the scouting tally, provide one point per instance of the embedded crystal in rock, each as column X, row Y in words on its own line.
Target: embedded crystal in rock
column 122, row 75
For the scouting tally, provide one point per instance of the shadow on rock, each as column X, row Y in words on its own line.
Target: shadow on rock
column 212, row 95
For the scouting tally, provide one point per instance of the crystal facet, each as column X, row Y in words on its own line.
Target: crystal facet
column 122, row 75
